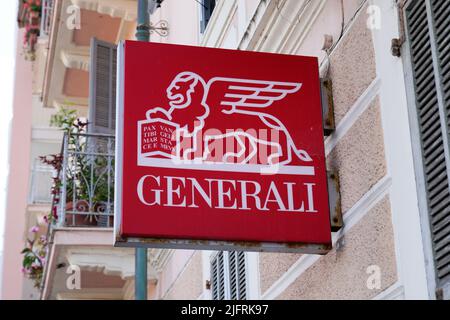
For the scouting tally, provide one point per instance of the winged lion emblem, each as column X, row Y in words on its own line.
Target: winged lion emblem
column 195, row 105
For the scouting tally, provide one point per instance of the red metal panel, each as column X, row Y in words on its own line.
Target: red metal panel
column 259, row 115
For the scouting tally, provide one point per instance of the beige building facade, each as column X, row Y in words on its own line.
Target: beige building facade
column 391, row 245
column 382, row 231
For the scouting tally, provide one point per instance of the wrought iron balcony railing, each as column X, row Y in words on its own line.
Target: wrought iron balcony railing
column 86, row 181
column 46, row 17
column 41, row 183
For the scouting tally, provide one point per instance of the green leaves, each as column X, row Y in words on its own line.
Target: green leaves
column 25, row 250
column 64, row 119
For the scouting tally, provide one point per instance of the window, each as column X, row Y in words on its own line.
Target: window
column 153, row 5
column 427, row 31
column 207, row 10
column 228, row 276
column 102, row 87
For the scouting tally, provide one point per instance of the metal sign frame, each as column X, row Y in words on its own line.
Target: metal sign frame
column 140, row 242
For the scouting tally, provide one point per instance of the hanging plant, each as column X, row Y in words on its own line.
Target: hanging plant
column 30, row 19
column 32, row 5
column 35, row 251
column 34, row 256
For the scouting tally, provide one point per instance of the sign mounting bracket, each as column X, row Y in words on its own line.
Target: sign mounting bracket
column 326, row 88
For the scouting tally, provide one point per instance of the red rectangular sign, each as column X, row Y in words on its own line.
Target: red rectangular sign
column 219, row 146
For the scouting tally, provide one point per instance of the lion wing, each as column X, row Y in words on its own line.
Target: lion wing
column 243, row 94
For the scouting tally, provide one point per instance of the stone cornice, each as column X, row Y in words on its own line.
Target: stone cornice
column 280, row 26
column 124, row 9
column 76, row 58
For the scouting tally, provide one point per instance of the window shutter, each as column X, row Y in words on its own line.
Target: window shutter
column 214, row 271
column 221, row 277
column 218, row 277
column 440, row 11
column 241, row 276
column 228, row 276
column 234, row 279
column 428, row 24
column 102, row 96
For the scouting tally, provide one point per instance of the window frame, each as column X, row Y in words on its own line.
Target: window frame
column 415, row 133
column 203, row 26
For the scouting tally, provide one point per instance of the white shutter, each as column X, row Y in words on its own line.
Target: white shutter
column 242, row 276
column 102, row 81
column 233, row 275
column 440, row 12
column 428, row 32
column 228, row 276
column 214, row 287
column 218, row 277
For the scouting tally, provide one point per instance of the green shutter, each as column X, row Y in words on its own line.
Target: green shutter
column 428, row 32
column 102, row 95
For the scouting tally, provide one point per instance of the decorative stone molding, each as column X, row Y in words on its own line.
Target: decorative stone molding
column 394, row 292
column 76, row 58
column 124, row 9
column 110, row 261
column 219, row 23
column 276, row 26
column 255, row 26
column 280, row 26
column 63, row 54
column 116, row 261
column 92, row 294
column 158, row 258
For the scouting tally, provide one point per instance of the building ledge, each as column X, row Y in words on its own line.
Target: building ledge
column 92, row 249
column 92, row 294
column 82, row 237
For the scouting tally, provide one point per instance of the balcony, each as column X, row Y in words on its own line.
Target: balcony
column 81, row 230
column 35, row 16
column 46, row 18
column 41, row 184
column 86, row 189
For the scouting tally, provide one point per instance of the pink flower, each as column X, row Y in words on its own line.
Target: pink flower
column 34, row 229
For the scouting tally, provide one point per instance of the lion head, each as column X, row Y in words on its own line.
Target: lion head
column 180, row 90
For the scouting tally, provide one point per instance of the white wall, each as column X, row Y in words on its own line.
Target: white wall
column 1, row 272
